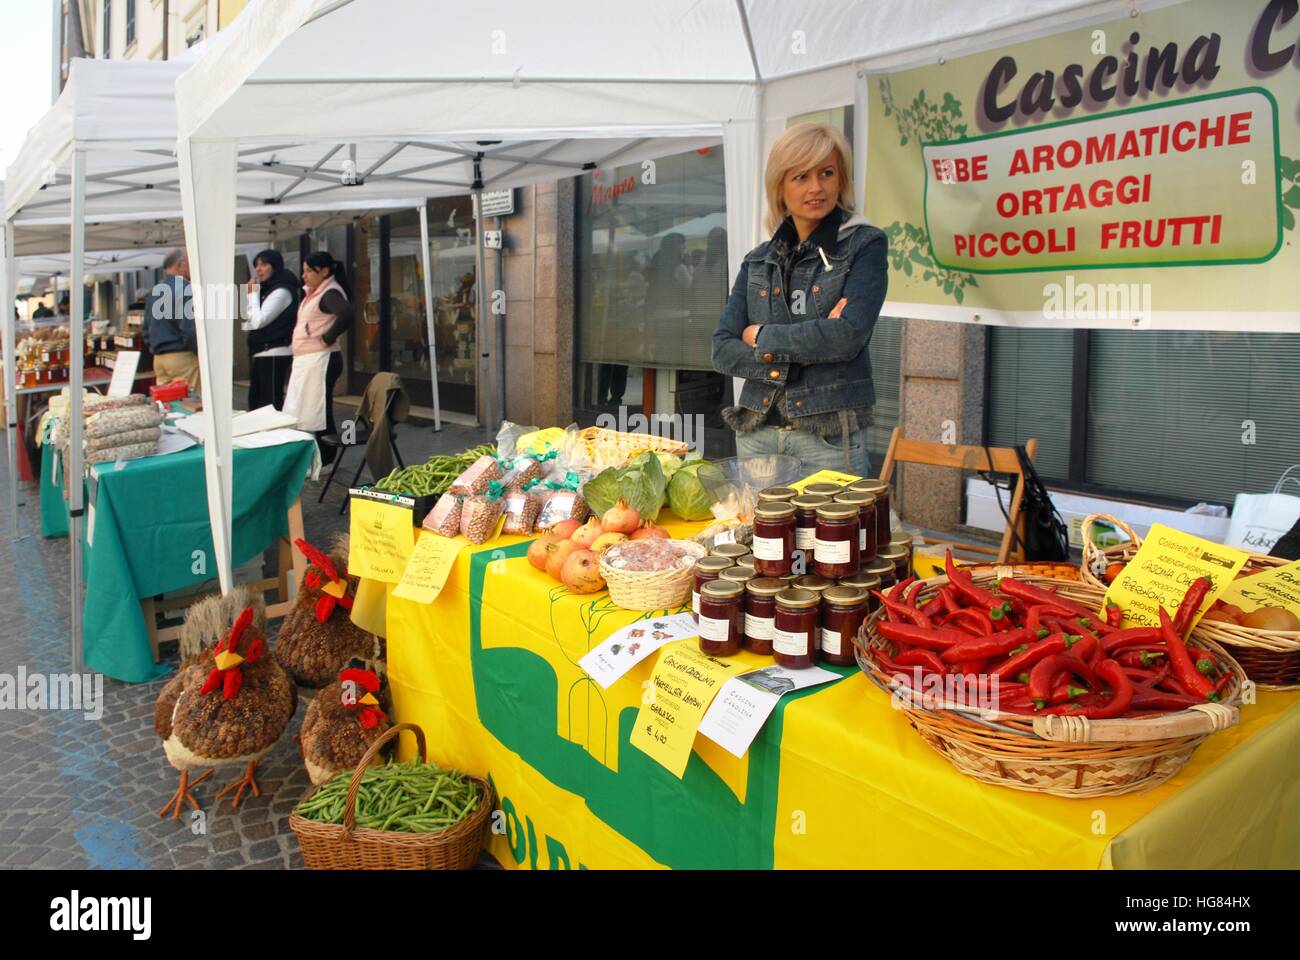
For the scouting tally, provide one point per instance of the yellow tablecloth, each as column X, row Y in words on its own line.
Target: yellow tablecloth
column 836, row 778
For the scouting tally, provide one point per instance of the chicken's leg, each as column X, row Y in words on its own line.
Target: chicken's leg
column 183, row 792
column 245, row 782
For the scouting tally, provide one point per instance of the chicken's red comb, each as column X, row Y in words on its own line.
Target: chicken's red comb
column 242, row 623
column 367, row 680
column 317, row 557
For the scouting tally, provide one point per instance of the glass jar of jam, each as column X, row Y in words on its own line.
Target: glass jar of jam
column 843, row 610
column 805, row 521
column 905, row 541
column 812, row 582
column 747, row 561
column 737, row 574
column 732, row 551
column 884, row 569
column 823, row 488
column 760, row 613
column 797, row 628
column 880, row 490
column 777, row 494
column 722, row 617
column 866, row 504
column 836, row 553
column 773, row 545
column 900, row 557
column 867, row 582
column 707, row 569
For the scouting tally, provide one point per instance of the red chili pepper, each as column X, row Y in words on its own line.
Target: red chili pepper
column 931, row 638
column 1112, row 674
column 967, row 667
column 1184, row 669
column 979, row 648
column 932, row 607
column 1065, row 692
column 1044, row 673
column 1192, row 601
column 1114, row 614
column 1135, row 658
column 1136, row 636
column 1171, row 684
column 949, row 597
column 1034, row 614
column 903, row 610
column 1054, row 644
column 976, row 618
column 1031, row 594
column 1222, row 684
column 897, row 590
column 1147, row 699
column 921, row 658
column 965, row 586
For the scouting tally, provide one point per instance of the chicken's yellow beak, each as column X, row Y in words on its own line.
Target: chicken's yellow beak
column 369, row 700
column 226, row 660
column 336, row 588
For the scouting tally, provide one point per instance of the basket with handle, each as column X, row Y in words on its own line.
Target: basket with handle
column 1271, row 658
column 331, row 846
column 653, row 590
column 1063, row 756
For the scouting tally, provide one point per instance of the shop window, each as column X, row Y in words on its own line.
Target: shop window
column 130, row 23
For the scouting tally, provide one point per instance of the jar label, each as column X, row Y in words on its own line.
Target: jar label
column 833, row 551
column 792, row 644
column 831, row 641
column 769, row 548
column 759, row 628
column 714, row 630
column 805, row 538
column 695, row 603
column 862, row 539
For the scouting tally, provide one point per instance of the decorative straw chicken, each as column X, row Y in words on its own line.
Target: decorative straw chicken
column 227, row 706
column 318, row 637
column 342, row 721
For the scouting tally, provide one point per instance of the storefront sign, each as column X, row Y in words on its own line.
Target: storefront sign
column 1165, row 566
column 1065, row 180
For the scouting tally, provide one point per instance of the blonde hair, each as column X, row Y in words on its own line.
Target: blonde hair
column 800, row 148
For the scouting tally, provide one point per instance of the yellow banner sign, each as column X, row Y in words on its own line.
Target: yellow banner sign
column 825, row 476
column 682, row 685
column 1165, row 566
column 427, row 569
column 1279, row 587
column 382, row 539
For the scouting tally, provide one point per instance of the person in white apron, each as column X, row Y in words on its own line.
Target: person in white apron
column 324, row 316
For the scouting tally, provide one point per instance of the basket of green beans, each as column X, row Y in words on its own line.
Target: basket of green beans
column 395, row 816
column 435, row 475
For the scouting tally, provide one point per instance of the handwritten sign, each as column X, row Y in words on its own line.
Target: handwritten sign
column 682, row 686
column 1165, row 566
column 382, row 540
column 1279, row 587
column 124, row 368
column 825, row 476
column 626, row 647
column 429, row 566
column 740, row 710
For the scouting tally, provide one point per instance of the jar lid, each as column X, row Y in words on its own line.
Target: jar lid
column 747, row 561
column 811, row 581
column 843, row 596
column 856, row 497
column 714, row 565
column 721, row 590
column 798, row 599
column 773, row 510
column 893, row 551
column 901, row 539
column 778, row 494
column 837, row 511
column 737, row 574
column 861, row 581
column 879, row 568
column 808, row 501
column 823, row 489
column 876, row 487
column 766, row 586
column 729, row 550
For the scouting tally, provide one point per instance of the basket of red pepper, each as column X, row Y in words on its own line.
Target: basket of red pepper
column 1019, row 681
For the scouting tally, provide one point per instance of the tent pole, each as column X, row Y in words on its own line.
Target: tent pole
column 73, row 476
column 480, row 268
column 429, row 313
column 499, row 367
column 8, row 284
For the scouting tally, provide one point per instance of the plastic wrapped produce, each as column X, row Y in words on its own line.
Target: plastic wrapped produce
column 480, row 513
column 444, row 518
column 651, row 555
column 561, row 502
column 476, row 478
column 522, row 510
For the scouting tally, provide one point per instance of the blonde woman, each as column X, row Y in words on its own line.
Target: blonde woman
column 800, row 316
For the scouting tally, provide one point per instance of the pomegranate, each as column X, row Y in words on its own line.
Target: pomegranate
column 649, row 531
column 540, row 550
column 620, row 518
column 586, row 534
column 562, row 551
column 566, row 528
column 581, row 573
column 607, row 540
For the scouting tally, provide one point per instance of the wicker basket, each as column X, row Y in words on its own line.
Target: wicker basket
column 1064, row 756
column 1271, row 658
column 661, row 590
column 329, row 846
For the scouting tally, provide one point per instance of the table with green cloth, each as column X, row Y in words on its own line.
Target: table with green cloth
column 54, row 511
column 148, row 533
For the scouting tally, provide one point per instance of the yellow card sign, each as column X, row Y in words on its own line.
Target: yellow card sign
column 430, row 564
column 1166, row 565
column 1279, row 587
column 825, row 476
column 382, row 539
column 682, row 685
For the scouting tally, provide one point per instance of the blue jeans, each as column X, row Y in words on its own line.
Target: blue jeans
column 817, row 453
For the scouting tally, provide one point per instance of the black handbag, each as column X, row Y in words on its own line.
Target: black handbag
column 1047, row 538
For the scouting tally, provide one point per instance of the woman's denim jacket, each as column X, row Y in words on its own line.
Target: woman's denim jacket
column 822, row 363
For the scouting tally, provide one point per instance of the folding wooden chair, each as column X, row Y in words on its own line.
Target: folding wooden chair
column 1004, row 461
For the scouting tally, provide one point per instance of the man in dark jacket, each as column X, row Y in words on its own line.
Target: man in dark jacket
column 169, row 325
